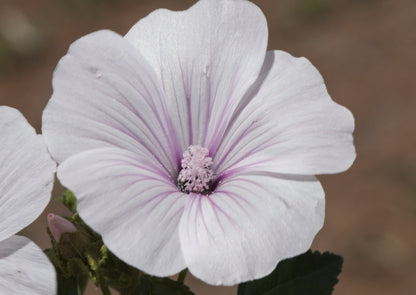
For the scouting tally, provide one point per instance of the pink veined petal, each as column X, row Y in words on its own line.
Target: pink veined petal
column 132, row 203
column 288, row 124
column 26, row 173
column 250, row 223
column 106, row 95
column 206, row 57
column 25, row 269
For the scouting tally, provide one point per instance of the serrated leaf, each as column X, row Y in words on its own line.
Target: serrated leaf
column 149, row 285
column 306, row 274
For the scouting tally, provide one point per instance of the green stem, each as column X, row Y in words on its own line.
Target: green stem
column 182, row 275
column 79, row 291
column 103, row 286
column 105, row 290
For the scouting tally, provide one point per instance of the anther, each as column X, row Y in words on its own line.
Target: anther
column 196, row 174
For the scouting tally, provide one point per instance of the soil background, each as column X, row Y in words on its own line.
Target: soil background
column 366, row 52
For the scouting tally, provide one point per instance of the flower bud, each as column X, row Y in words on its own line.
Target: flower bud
column 59, row 225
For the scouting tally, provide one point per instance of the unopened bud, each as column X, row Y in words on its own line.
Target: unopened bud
column 59, row 225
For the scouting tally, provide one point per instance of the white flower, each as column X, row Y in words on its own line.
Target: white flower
column 26, row 179
column 188, row 144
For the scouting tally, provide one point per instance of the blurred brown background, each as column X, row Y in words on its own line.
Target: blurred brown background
column 366, row 51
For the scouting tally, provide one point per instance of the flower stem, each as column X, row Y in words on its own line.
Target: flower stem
column 182, row 275
column 105, row 290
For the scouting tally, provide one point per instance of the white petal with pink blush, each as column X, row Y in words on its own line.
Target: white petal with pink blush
column 187, row 144
column 27, row 174
column 24, row 268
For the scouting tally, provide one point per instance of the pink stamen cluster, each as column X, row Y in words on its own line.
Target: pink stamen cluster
column 196, row 174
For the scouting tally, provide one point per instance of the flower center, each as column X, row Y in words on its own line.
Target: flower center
column 196, row 174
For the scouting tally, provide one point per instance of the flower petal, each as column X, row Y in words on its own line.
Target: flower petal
column 133, row 204
column 26, row 173
column 207, row 57
column 288, row 124
column 25, row 269
column 106, row 94
column 250, row 223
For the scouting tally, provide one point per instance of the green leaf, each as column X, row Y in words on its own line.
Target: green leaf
column 69, row 200
column 149, row 285
column 309, row 274
column 117, row 274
